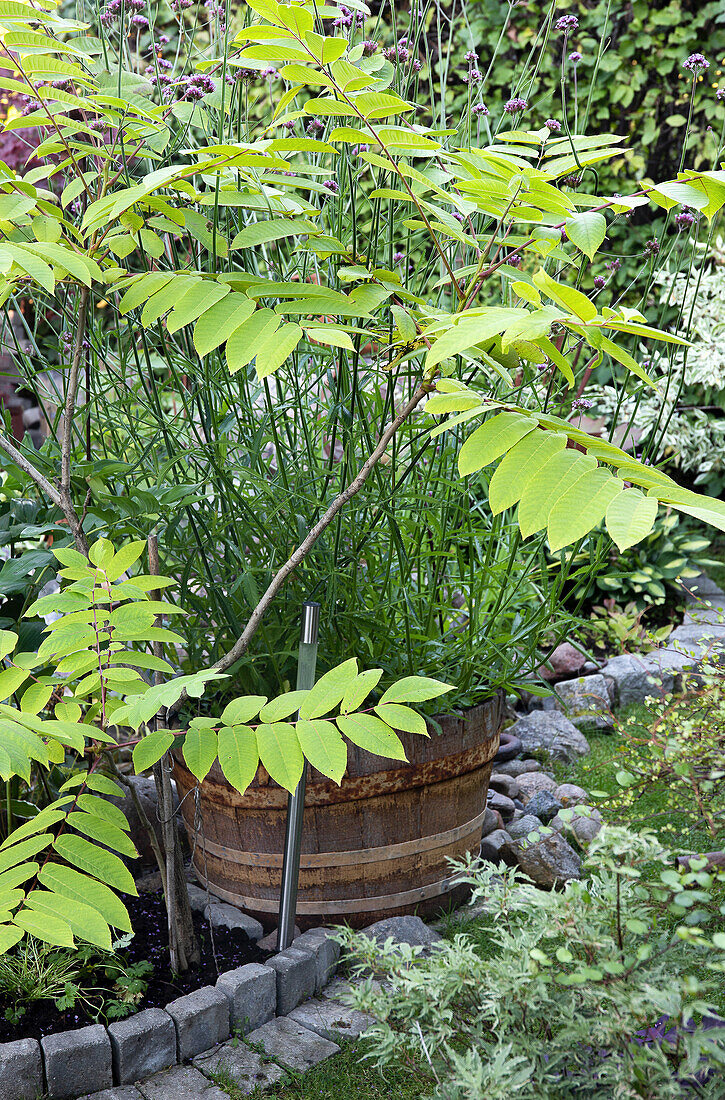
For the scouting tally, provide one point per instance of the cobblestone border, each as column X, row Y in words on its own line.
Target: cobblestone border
column 106, row 1062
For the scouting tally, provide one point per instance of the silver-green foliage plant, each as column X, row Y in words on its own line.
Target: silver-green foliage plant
column 85, row 694
column 600, row 989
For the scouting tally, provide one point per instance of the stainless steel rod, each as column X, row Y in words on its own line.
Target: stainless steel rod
column 306, row 667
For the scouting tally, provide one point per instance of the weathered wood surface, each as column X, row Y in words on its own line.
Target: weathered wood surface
column 376, row 846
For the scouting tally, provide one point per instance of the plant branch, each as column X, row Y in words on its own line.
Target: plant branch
column 27, row 467
column 242, row 644
column 66, row 501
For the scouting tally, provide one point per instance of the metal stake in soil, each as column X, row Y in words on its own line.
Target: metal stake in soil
column 306, row 665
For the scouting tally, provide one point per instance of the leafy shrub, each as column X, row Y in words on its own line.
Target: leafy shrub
column 649, row 573
column 557, row 995
column 683, row 748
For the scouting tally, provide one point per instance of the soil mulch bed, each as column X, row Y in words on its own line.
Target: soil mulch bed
column 230, row 948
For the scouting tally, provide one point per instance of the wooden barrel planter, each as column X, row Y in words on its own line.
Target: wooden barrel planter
column 377, row 846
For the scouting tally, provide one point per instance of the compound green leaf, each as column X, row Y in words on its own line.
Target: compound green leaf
column 323, row 746
column 547, row 485
column 238, row 755
column 282, row 706
column 587, row 231
column 200, row 751
column 103, row 832
column 218, row 323
column 251, row 335
column 280, row 753
column 581, row 507
column 150, row 749
column 242, row 710
column 329, row 690
column 402, row 718
column 493, row 439
column 518, row 466
column 371, row 733
column 360, row 688
column 278, row 347
column 45, row 926
column 84, row 922
column 415, row 689
column 77, row 887
column 95, row 861
column 630, row 517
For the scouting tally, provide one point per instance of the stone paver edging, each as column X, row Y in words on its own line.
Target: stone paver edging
column 257, row 1021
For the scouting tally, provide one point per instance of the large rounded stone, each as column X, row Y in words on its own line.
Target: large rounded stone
column 552, row 732
column 583, row 827
column 550, row 862
column 518, row 767
column 505, row 784
column 502, row 804
column 532, row 782
column 523, row 826
column 544, row 805
column 569, row 794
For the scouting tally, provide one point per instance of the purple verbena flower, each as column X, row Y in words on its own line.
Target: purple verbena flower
column 696, row 63
column 471, row 56
column 314, row 127
column 684, row 220
column 567, row 23
column 515, row 104
column 268, row 74
column 571, row 181
column 480, row 109
column 458, row 216
column 201, row 81
column 370, row 47
column 140, row 22
column 332, row 186
column 178, row 6
column 613, row 265
column 575, row 57
column 599, row 281
column 582, row 403
column 417, row 66
column 652, row 247
column 289, row 124
column 552, row 125
column 720, row 93
column 473, row 76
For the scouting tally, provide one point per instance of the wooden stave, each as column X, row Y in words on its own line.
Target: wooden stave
column 449, row 789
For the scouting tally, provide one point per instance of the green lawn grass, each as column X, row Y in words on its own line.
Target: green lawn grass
column 345, row 1077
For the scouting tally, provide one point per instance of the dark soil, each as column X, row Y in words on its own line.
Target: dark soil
column 231, row 948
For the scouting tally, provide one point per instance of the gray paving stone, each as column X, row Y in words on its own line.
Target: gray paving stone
column 141, row 1045
column 123, row 1092
column 236, row 1062
column 21, row 1070
column 296, row 971
column 293, row 1045
column 180, row 1083
column 335, row 1022
column 76, row 1061
column 326, row 951
column 198, row 897
column 201, row 1019
column 222, row 915
column 252, row 994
